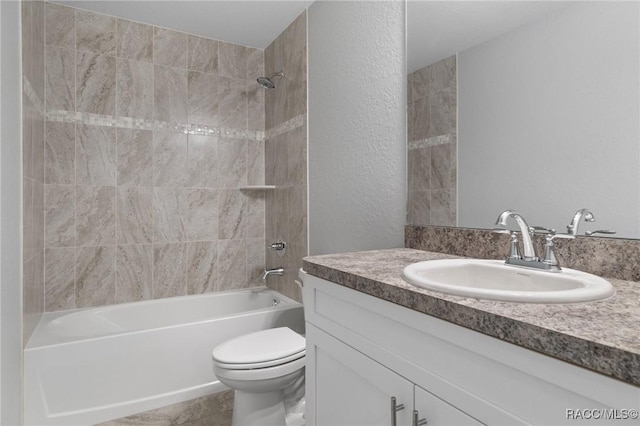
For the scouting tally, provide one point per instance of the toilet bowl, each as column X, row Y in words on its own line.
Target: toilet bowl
column 259, row 367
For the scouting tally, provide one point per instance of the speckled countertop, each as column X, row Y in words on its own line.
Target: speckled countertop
column 603, row 336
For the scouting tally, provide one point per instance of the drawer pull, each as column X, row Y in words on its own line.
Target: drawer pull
column 395, row 407
column 416, row 421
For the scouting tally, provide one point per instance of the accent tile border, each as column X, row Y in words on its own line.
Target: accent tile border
column 287, row 126
column 64, row 116
column 606, row 257
column 432, row 141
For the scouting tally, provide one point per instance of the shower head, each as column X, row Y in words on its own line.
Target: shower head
column 267, row 82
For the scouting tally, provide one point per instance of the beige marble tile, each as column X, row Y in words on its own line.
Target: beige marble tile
column 255, row 163
column 202, row 267
column 203, row 54
column 203, row 98
column 202, row 214
column 60, row 220
column 419, row 120
column 135, row 157
column 255, row 64
column 95, row 215
column 255, row 216
column 232, row 161
column 135, row 89
column 420, row 169
column 441, row 113
column 204, row 162
column 95, row 155
column 39, row 215
column 232, row 60
column 170, row 167
column 170, row 94
column 442, row 75
column 95, row 33
column 60, row 67
column 60, row 145
column 29, row 246
column 255, row 261
column 29, row 116
column 443, row 166
column 37, row 155
column 232, row 264
column 170, row 48
column 232, row 103
column 443, row 207
column 60, row 26
column 231, row 214
column 255, row 106
column 297, row 156
column 419, row 83
column 169, row 270
column 135, row 41
column 95, row 276
column 59, row 275
column 135, row 215
column 170, row 209
column 95, row 83
column 297, row 214
column 134, row 272
column 419, row 207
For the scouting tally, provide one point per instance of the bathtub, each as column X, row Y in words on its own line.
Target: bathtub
column 87, row 366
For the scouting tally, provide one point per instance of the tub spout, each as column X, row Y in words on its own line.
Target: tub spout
column 273, row 271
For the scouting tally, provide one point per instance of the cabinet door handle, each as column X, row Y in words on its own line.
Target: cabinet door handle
column 416, row 421
column 394, row 409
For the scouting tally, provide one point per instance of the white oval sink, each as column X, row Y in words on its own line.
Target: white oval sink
column 493, row 280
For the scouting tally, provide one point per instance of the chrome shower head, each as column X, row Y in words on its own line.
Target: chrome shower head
column 267, row 82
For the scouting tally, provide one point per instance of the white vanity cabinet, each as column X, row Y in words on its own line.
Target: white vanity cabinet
column 362, row 351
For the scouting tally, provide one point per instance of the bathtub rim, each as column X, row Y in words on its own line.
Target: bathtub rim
column 35, row 344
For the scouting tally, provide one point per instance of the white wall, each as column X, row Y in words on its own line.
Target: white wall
column 357, row 126
column 10, row 216
column 549, row 121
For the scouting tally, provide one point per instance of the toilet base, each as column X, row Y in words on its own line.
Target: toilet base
column 258, row 409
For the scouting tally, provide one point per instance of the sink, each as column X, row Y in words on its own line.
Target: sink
column 493, row 280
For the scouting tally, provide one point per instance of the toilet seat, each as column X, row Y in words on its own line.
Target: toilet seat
column 261, row 349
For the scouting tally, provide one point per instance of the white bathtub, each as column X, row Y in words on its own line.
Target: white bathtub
column 92, row 365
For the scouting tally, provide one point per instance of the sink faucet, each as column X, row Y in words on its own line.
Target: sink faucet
column 527, row 242
column 273, row 271
column 572, row 228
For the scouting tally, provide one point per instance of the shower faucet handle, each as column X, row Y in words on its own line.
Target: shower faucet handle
column 280, row 246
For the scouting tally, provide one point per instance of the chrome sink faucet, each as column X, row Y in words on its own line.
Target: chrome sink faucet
column 572, row 228
column 529, row 250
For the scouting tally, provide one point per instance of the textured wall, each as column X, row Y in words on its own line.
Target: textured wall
column 286, row 153
column 357, row 126
column 432, row 155
column 150, row 133
column 549, row 121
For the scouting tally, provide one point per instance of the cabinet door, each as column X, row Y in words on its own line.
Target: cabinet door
column 439, row 413
column 351, row 389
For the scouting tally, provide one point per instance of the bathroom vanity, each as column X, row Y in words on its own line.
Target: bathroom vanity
column 383, row 352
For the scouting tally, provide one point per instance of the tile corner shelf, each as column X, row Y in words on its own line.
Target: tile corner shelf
column 257, row 187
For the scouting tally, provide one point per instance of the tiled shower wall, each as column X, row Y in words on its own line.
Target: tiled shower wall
column 33, row 252
column 150, row 135
column 432, row 122
column 286, row 154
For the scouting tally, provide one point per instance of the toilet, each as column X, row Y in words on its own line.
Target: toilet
column 259, row 367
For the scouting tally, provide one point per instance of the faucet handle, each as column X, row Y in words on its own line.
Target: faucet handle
column 514, row 251
column 599, row 231
column 543, row 230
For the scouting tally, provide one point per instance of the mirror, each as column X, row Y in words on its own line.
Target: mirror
column 531, row 106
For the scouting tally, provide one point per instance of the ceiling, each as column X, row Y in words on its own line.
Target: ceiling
column 253, row 23
column 439, row 29
column 436, row 29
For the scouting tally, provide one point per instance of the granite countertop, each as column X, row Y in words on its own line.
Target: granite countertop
column 603, row 336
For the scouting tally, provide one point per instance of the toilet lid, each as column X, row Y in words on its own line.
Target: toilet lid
column 260, row 347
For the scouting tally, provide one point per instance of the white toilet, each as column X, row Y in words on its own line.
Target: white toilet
column 259, row 367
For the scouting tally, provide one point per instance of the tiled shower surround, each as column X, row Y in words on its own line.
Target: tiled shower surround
column 432, row 122
column 150, row 136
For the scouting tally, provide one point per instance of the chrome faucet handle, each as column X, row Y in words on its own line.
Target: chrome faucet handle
column 549, row 256
column 600, row 231
column 514, row 250
column 542, row 230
